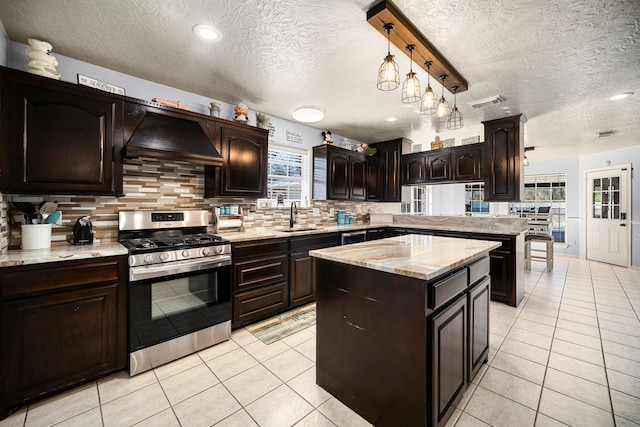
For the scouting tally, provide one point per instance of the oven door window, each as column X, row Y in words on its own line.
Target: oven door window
column 161, row 309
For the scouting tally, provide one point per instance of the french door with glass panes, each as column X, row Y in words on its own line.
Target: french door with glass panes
column 608, row 215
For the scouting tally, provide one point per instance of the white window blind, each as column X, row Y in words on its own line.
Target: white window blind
column 288, row 174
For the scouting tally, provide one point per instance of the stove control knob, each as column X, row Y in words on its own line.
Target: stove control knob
column 148, row 258
column 219, row 249
column 185, row 253
column 164, row 256
column 207, row 251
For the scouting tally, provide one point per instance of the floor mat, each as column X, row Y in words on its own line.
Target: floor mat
column 285, row 324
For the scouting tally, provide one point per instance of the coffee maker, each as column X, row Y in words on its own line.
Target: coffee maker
column 83, row 232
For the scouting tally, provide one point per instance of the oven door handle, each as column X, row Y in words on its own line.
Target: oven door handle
column 144, row 272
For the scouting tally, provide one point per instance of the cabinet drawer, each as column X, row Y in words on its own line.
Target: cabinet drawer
column 262, row 272
column 259, row 248
column 307, row 243
column 56, row 276
column 442, row 291
column 259, row 304
column 479, row 269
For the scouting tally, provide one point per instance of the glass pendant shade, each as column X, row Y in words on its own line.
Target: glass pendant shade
column 444, row 109
column 411, row 89
column 411, row 86
column 429, row 102
column 455, row 120
column 389, row 73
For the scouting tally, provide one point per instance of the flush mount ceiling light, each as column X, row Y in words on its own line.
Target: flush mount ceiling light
column 389, row 73
column 444, row 109
column 405, row 33
column 411, row 86
column 455, row 120
column 207, row 32
column 308, row 114
column 620, row 96
column 429, row 101
column 391, row 119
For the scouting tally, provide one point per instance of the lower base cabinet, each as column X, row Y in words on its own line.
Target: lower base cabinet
column 302, row 272
column 63, row 324
column 478, row 303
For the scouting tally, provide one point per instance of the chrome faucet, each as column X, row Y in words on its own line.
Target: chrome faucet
column 294, row 213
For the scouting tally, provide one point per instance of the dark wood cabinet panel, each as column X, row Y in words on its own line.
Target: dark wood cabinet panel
column 339, row 174
column 448, row 339
column 414, row 168
column 244, row 163
column 467, row 161
column 439, row 166
column 504, row 139
column 478, row 302
column 58, row 138
column 302, row 273
column 384, row 170
column 61, row 333
column 258, row 304
column 338, row 179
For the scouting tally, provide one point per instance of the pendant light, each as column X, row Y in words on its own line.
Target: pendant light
column 429, row 99
column 411, row 86
column 455, row 121
column 443, row 106
column 388, row 74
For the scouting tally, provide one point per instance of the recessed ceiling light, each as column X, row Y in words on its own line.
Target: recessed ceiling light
column 308, row 114
column 207, row 32
column 391, row 119
column 620, row 96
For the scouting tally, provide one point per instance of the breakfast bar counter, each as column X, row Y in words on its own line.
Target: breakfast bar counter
column 402, row 325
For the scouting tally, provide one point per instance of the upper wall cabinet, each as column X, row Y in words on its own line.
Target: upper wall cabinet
column 243, row 173
column 58, row 138
column 383, row 170
column 446, row 165
column 339, row 174
column 504, row 139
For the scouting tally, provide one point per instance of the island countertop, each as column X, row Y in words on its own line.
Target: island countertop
column 417, row 256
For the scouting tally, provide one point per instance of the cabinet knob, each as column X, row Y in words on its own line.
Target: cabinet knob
column 76, row 309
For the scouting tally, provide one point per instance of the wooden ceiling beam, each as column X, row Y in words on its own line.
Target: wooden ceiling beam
column 404, row 33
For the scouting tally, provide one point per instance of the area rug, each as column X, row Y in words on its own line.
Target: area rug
column 285, row 324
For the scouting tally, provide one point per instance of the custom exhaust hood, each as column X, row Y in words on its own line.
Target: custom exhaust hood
column 163, row 134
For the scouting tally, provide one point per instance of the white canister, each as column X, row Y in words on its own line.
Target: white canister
column 36, row 236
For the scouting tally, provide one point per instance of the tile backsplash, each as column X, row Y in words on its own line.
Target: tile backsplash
column 151, row 184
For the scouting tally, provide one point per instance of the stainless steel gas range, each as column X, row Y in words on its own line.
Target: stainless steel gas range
column 179, row 285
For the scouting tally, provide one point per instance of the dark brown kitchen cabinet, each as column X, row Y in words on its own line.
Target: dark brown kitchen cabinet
column 467, row 163
column 302, row 273
column 339, row 174
column 414, row 168
column 63, row 324
column 260, row 280
column 383, row 170
column 447, row 333
column 439, row 166
column 478, row 303
column 58, row 138
column 504, row 139
column 243, row 173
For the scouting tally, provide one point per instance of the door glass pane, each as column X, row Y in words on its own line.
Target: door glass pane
column 597, row 197
column 616, row 197
column 616, row 212
column 596, row 185
column 597, row 211
column 605, row 197
column 605, row 183
column 615, row 182
column 605, row 212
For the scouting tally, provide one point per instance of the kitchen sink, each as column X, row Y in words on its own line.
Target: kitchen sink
column 292, row 230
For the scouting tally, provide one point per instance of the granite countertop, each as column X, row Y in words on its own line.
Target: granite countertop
column 418, row 256
column 279, row 232
column 61, row 253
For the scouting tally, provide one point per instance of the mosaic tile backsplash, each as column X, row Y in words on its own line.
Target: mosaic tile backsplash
column 150, row 184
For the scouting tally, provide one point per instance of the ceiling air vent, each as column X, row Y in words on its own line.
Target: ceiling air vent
column 606, row 133
column 492, row 100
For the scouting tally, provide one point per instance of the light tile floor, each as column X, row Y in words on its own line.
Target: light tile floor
column 569, row 355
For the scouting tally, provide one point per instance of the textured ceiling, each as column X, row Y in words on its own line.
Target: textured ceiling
column 557, row 62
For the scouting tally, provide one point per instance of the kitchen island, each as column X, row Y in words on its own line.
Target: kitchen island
column 402, row 325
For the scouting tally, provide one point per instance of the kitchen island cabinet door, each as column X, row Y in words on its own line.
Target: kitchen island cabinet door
column 58, row 138
column 479, row 297
column 448, row 359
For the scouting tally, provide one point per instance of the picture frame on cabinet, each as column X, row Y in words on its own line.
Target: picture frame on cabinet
column 100, row 85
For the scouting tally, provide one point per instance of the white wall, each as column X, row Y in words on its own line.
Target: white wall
column 4, row 46
column 135, row 87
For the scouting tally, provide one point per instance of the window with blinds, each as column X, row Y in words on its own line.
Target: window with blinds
column 288, row 175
